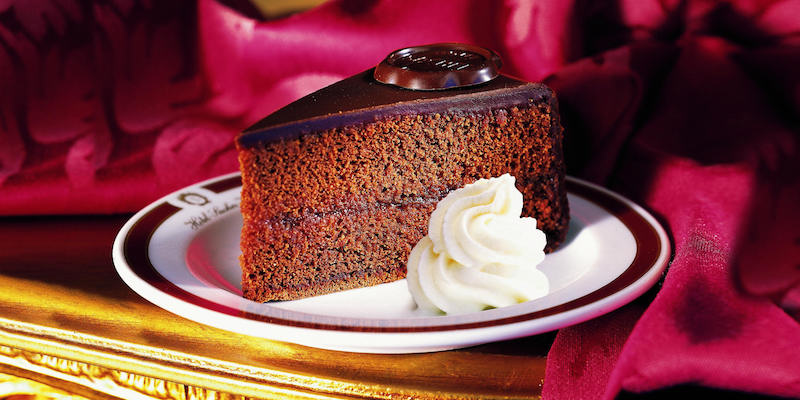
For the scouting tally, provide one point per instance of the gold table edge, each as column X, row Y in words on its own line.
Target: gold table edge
column 199, row 372
column 174, row 366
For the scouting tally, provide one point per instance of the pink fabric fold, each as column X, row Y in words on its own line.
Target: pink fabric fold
column 102, row 106
column 689, row 108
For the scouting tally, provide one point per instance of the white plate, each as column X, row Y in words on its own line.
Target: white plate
column 181, row 253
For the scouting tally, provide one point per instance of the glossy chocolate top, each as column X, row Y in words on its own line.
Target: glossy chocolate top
column 439, row 66
column 362, row 99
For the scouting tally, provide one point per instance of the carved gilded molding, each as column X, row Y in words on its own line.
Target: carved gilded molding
column 96, row 378
column 13, row 387
column 278, row 383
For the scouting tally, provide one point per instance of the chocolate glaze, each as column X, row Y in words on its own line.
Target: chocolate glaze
column 438, row 66
column 361, row 99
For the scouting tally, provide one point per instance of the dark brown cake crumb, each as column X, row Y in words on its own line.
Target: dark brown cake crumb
column 342, row 208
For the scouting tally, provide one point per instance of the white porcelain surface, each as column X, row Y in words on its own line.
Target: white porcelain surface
column 195, row 250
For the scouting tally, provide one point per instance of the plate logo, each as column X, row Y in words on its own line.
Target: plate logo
column 193, row 199
column 201, row 206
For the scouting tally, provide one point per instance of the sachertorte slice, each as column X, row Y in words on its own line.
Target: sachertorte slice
column 338, row 186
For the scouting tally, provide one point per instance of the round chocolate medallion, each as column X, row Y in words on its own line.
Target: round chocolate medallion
column 438, row 66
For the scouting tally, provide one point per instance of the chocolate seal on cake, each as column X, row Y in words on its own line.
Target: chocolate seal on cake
column 438, row 66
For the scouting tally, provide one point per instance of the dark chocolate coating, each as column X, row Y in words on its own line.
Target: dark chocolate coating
column 360, row 99
column 439, row 66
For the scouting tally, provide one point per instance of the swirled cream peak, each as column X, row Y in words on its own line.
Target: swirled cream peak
column 479, row 252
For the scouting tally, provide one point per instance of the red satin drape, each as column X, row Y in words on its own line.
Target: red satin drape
column 688, row 107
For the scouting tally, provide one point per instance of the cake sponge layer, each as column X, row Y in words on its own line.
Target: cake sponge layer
column 343, row 207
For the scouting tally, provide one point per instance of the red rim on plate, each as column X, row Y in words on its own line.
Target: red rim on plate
column 650, row 247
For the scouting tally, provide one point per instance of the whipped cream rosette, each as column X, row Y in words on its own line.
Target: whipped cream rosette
column 479, row 252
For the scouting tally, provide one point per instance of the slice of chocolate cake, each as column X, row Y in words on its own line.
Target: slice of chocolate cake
column 338, row 186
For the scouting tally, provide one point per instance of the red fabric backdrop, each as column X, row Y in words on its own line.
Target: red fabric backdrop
column 688, row 107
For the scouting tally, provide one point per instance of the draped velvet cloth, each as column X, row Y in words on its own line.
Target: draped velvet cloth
column 690, row 108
